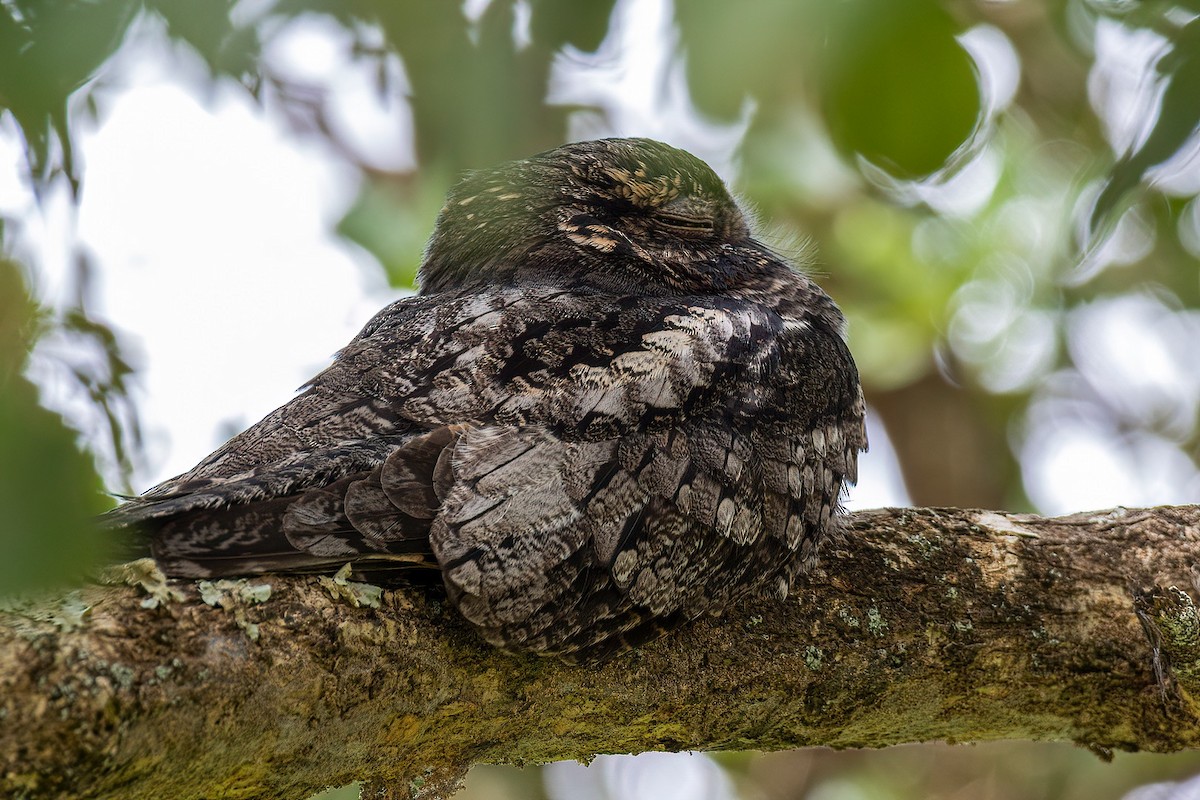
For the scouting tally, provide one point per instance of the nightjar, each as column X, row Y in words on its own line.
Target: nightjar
column 608, row 411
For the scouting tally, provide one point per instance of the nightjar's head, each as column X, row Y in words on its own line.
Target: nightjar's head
column 610, row 211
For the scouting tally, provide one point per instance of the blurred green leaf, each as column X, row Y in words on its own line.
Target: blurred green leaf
column 897, row 317
column 49, row 490
column 582, row 25
column 391, row 220
column 897, row 86
column 49, row 49
column 477, row 95
column 1178, row 120
column 208, row 27
column 738, row 49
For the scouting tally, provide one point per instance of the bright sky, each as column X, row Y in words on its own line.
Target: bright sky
column 214, row 230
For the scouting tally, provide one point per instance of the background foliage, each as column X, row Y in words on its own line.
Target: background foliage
column 1002, row 196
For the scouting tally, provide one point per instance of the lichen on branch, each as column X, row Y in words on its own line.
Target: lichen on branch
column 920, row 624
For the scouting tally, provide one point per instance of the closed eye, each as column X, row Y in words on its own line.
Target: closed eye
column 688, row 224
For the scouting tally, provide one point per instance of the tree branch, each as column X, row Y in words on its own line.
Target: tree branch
column 920, row 624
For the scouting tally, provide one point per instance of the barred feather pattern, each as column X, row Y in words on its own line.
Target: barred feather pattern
column 585, row 458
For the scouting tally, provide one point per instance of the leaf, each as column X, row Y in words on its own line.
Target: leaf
column 49, row 490
column 737, row 49
column 209, row 28
column 582, row 25
column 898, row 88
column 1178, row 120
column 391, row 221
column 47, row 51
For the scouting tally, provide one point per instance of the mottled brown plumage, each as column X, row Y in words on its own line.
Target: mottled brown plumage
column 608, row 411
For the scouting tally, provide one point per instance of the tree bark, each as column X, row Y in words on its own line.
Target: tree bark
column 920, row 624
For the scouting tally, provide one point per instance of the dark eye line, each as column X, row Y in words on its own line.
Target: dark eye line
column 686, row 223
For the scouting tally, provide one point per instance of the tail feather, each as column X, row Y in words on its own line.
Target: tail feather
column 282, row 518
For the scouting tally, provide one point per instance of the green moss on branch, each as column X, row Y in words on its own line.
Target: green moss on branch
column 921, row 624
